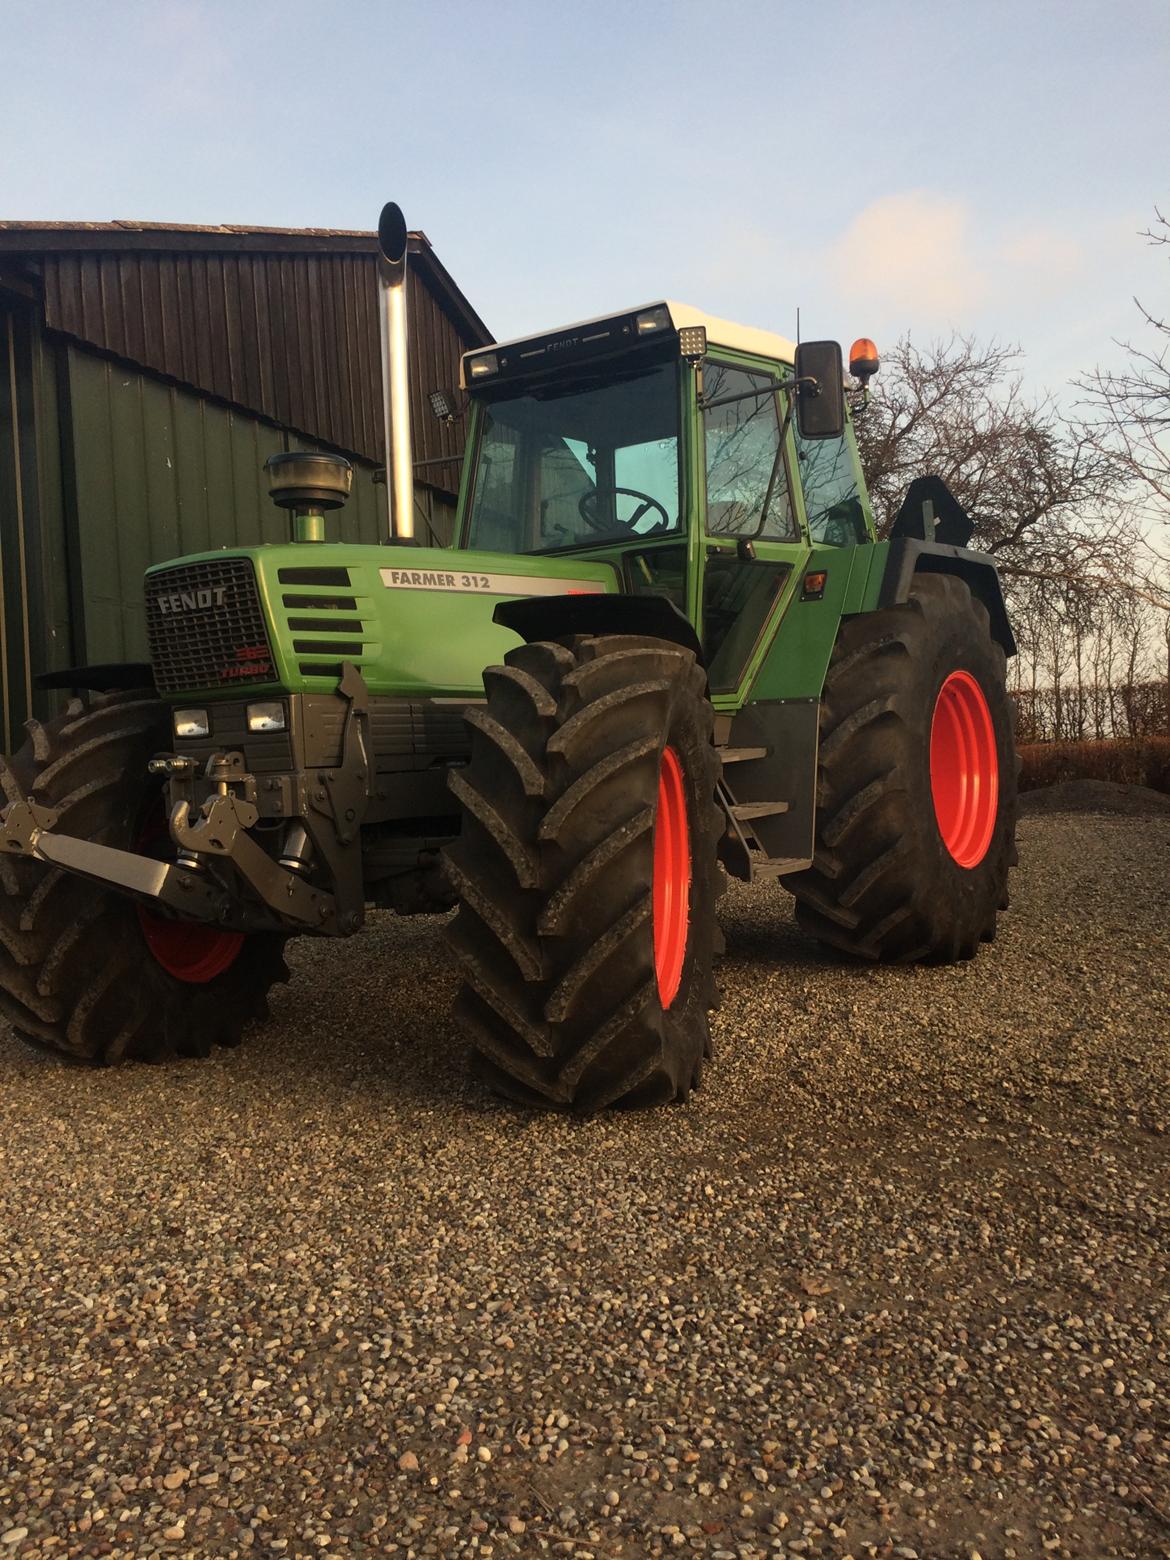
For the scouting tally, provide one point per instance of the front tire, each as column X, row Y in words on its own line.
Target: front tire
column 84, row 971
column 587, row 874
column 916, row 785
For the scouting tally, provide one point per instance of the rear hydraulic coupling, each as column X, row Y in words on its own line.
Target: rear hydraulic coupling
column 172, row 765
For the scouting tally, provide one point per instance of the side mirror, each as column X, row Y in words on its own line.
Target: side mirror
column 820, row 406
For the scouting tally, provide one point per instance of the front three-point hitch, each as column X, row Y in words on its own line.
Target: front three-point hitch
column 209, row 836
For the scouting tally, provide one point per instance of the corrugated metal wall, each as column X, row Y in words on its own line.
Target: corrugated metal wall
column 293, row 337
column 15, row 430
column 161, row 472
column 144, row 379
column 34, row 573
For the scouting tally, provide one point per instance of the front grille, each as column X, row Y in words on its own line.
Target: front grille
column 206, row 628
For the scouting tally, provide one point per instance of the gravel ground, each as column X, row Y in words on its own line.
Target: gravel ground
column 895, row 1283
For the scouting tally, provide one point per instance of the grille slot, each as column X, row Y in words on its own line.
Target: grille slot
column 338, row 631
column 352, row 649
column 206, row 628
column 314, row 576
column 325, row 625
column 321, row 603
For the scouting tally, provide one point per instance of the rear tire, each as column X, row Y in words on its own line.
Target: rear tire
column 916, row 786
column 587, row 874
column 77, row 971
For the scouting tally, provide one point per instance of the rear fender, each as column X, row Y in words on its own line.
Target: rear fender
column 99, row 679
column 909, row 556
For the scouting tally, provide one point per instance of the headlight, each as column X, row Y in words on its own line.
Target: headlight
column 191, row 723
column 480, row 367
column 266, row 717
column 651, row 320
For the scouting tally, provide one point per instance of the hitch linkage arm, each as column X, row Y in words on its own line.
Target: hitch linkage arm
column 220, row 830
column 27, row 830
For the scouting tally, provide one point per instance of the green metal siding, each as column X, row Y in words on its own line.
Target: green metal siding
column 158, row 473
column 162, row 472
column 34, row 591
column 15, row 650
column 52, row 612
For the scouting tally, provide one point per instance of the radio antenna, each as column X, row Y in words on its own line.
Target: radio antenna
column 798, row 324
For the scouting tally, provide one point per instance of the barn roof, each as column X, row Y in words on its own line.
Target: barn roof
column 278, row 321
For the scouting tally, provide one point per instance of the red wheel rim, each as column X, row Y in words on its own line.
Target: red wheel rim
column 672, row 878
column 964, row 769
column 190, row 952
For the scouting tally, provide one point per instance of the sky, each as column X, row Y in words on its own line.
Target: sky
column 916, row 166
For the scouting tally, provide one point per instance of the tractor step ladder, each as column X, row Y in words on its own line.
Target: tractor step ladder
column 742, row 852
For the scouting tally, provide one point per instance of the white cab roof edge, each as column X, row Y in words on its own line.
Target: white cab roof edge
column 726, row 333
column 720, row 333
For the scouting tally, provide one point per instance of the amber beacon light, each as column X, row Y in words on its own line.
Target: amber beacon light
column 863, row 359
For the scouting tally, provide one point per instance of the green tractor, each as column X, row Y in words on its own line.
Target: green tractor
column 665, row 645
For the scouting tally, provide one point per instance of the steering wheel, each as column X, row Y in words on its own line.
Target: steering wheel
column 587, row 506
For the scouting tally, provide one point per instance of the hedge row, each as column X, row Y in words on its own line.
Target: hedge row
column 1140, row 761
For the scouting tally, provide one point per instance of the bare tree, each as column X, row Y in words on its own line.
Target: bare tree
column 1129, row 410
column 1041, row 491
column 1052, row 498
column 1127, row 413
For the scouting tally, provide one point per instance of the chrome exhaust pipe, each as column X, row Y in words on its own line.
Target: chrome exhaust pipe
column 392, row 246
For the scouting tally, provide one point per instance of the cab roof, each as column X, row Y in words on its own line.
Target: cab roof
column 683, row 316
column 726, row 333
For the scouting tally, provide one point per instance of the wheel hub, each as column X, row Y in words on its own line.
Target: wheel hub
column 672, row 877
column 190, row 952
column 964, row 769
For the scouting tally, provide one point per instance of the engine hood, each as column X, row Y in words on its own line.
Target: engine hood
column 415, row 621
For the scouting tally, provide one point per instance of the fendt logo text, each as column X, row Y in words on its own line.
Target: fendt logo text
column 193, row 600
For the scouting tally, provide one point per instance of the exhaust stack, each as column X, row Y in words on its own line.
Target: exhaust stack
column 392, row 245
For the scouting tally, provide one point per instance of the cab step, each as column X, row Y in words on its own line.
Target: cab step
column 741, row 755
column 745, row 811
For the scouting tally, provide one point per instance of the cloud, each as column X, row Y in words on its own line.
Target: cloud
column 1043, row 253
column 912, row 255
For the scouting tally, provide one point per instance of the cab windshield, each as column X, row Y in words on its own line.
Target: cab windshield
column 594, row 460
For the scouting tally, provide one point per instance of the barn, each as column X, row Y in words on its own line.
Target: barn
column 146, row 374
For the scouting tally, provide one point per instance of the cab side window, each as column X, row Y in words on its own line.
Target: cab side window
column 493, row 522
column 747, row 483
column 832, row 498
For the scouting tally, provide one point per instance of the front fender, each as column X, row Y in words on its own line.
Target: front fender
column 555, row 617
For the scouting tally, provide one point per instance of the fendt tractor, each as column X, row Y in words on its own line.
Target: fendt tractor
column 665, row 645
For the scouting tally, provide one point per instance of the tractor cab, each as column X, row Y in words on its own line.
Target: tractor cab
column 705, row 461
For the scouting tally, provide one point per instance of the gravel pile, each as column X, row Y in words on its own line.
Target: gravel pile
column 1095, row 796
column 896, row 1283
